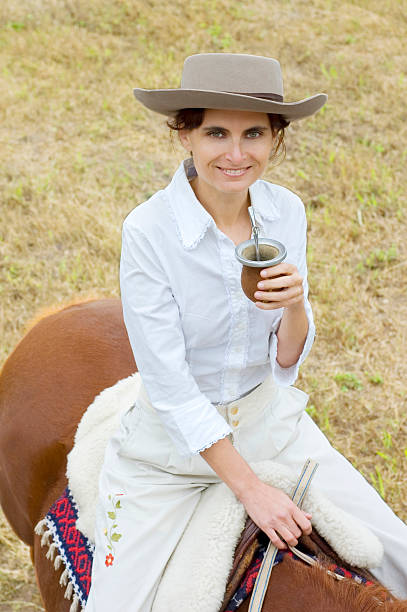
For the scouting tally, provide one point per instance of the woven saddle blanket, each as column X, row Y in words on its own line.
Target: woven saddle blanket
column 68, row 547
column 217, row 522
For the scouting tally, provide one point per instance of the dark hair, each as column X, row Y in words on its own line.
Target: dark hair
column 192, row 118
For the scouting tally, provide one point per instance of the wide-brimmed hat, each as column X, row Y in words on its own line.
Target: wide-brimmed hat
column 230, row 81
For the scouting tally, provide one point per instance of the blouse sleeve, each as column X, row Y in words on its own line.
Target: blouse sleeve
column 287, row 376
column 153, row 325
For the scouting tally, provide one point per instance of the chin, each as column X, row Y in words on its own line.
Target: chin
column 236, row 186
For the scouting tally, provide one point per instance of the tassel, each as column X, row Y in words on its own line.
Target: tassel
column 45, row 537
column 40, row 527
column 57, row 562
column 51, row 551
column 68, row 591
column 63, row 581
column 75, row 604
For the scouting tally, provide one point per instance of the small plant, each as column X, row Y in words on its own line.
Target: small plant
column 16, row 25
column 387, row 439
column 391, row 462
column 222, row 40
column 311, row 410
column 320, row 416
column 377, row 481
column 376, row 379
column 348, row 381
column 329, row 73
column 380, row 257
column 303, row 174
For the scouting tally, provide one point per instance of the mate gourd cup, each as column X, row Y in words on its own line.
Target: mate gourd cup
column 271, row 253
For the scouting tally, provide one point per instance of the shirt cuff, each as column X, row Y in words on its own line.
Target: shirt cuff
column 193, row 426
column 287, row 376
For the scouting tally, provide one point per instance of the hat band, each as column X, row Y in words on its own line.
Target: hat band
column 265, row 96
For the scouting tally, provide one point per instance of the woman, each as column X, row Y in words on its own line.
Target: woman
column 216, row 368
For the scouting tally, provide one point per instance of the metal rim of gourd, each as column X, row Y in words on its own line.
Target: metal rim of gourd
column 265, row 263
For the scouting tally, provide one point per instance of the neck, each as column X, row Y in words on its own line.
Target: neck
column 226, row 209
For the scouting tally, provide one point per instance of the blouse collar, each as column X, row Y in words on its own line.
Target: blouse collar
column 191, row 218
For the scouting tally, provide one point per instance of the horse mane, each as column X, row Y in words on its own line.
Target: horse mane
column 350, row 595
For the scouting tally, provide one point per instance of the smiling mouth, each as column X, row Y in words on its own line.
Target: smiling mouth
column 234, row 171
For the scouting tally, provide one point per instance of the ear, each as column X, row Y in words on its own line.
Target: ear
column 185, row 139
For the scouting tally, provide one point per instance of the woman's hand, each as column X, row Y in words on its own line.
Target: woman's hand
column 281, row 287
column 274, row 512
column 271, row 509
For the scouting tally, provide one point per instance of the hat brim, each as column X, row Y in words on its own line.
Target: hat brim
column 169, row 101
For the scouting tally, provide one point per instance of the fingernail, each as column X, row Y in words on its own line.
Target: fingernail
column 263, row 273
column 257, row 295
column 260, row 285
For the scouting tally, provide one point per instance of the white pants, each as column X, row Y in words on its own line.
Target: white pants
column 148, row 492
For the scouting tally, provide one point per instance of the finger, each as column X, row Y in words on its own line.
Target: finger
column 293, row 528
column 302, row 521
column 287, row 535
column 275, row 305
column 284, row 295
column 274, row 539
column 268, row 305
column 280, row 282
column 283, row 268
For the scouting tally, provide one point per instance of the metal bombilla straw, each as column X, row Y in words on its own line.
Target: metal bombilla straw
column 255, row 229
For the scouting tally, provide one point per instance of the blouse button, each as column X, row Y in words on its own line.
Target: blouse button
column 235, row 423
column 234, row 410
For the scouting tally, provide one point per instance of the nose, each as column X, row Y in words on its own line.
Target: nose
column 235, row 153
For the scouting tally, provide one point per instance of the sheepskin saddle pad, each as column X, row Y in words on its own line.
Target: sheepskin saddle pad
column 218, row 520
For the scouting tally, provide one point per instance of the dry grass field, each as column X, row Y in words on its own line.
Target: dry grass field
column 77, row 153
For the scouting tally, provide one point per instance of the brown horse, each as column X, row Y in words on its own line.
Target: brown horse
column 54, row 373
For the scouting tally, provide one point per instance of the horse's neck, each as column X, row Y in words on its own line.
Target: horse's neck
column 294, row 586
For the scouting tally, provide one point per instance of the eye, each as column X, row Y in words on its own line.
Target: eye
column 254, row 133
column 216, row 133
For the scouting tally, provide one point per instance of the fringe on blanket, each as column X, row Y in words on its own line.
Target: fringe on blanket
column 45, row 529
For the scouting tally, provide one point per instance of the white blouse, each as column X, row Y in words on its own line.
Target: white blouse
column 196, row 338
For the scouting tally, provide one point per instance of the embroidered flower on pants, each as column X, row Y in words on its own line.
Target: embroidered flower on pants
column 111, row 533
column 109, row 560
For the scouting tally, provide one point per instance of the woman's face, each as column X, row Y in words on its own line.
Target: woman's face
column 230, row 148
